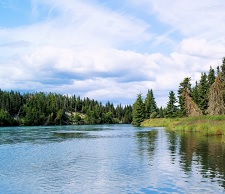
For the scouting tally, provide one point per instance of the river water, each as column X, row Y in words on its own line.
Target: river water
column 109, row 159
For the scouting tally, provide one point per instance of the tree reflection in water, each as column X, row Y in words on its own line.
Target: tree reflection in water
column 147, row 142
column 207, row 153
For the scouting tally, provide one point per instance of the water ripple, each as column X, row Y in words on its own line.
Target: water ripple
column 112, row 159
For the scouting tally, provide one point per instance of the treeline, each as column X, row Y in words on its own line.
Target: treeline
column 40, row 108
column 206, row 97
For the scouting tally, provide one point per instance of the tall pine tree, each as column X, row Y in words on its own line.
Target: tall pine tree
column 138, row 111
column 211, row 76
column 203, row 93
column 195, row 93
column 171, row 109
column 185, row 86
column 151, row 109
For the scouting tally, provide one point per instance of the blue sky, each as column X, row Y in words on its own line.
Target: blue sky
column 108, row 49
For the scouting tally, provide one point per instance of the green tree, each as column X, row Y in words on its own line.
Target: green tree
column 6, row 119
column 78, row 119
column 127, row 117
column 150, row 105
column 108, row 118
column 138, row 111
column 184, row 86
column 61, row 118
column 161, row 112
column 171, row 109
column 203, row 93
column 211, row 76
column 195, row 93
column 218, row 70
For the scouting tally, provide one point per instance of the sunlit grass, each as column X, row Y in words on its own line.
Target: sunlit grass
column 207, row 125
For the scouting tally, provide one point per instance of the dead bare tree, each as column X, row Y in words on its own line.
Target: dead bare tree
column 216, row 103
column 190, row 106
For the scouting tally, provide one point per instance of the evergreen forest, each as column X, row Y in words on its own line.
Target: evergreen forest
column 32, row 109
column 206, row 97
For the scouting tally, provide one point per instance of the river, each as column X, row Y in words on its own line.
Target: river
column 109, row 159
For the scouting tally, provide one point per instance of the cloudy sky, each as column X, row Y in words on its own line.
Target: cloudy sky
column 108, row 49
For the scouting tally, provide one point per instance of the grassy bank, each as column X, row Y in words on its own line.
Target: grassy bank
column 207, row 125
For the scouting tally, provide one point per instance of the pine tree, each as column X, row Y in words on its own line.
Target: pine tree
column 218, row 70
column 184, row 86
column 223, row 67
column 138, row 111
column 195, row 93
column 151, row 109
column 203, row 93
column 161, row 112
column 171, row 109
column 211, row 76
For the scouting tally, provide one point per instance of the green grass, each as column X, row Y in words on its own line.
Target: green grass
column 207, row 125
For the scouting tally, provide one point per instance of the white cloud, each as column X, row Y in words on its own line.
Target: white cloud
column 192, row 18
column 78, row 47
column 71, row 49
column 202, row 48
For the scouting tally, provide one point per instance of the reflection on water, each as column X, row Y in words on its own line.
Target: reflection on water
column 109, row 159
column 147, row 142
column 206, row 152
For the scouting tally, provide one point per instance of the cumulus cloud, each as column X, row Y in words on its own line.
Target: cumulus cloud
column 73, row 47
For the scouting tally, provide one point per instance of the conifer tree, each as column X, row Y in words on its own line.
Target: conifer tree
column 150, row 105
column 203, row 93
column 223, row 67
column 195, row 93
column 211, row 76
column 171, row 109
column 218, row 70
column 161, row 112
column 185, row 85
column 138, row 111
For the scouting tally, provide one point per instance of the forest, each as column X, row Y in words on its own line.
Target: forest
column 206, row 97
column 32, row 109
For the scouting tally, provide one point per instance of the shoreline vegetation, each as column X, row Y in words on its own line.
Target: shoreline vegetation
column 205, row 125
column 199, row 108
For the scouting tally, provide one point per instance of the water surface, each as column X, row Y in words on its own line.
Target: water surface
column 109, row 159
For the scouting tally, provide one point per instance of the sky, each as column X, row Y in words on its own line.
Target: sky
column 108, row 50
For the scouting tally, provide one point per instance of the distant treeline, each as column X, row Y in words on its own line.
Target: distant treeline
column 40, row 108
column 206, row 97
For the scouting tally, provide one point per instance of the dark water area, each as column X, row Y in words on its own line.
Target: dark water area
column 109, row 159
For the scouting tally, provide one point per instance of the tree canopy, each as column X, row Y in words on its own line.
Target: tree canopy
column 55, row 109
column 138, row 111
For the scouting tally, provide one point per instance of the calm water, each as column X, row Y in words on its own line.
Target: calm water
column 109, row 159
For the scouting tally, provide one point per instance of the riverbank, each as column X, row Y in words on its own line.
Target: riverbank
column 206, row 125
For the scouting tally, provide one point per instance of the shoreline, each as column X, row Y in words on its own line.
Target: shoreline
column 206, row 125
